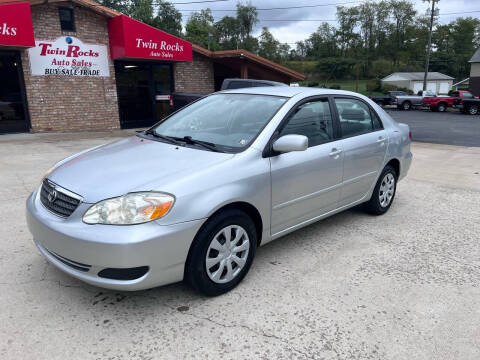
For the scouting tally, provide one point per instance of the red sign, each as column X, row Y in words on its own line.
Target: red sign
column 130, row 38
column 16, row 27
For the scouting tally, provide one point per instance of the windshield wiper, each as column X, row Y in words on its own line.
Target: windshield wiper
column 205, row 144
column 163, row 137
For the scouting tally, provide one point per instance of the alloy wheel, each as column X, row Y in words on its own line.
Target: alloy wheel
column 227, row 254
column 387, row 190
column 473, row 110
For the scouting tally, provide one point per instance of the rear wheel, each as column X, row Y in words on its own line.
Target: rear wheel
column 221, row 253
column 407, row 105
column 472, row 110
column 442, row 107
column 384, row 192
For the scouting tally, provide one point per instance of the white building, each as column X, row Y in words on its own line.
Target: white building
column 437, row 82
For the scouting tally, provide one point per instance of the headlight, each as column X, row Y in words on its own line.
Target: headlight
column 130, row 209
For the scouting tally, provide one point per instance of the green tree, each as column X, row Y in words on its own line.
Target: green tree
column 247, row 17
column 142, row 10
column 228, row 33
column 200, row 30
column 168, row 18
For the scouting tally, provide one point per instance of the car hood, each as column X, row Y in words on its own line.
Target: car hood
column 129, row 165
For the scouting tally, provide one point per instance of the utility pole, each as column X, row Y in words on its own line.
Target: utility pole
column 429, row 49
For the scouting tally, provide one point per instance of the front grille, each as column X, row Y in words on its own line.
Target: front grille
column 56, row 201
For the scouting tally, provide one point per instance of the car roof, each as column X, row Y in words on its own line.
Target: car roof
column 288, row 91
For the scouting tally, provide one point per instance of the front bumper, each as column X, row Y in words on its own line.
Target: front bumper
column 66, row 242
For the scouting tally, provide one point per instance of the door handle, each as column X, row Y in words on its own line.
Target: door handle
column 381, row 139
column 335, row 152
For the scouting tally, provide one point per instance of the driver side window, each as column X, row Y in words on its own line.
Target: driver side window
column 313, row 120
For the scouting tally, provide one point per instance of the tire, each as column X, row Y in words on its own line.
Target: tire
column 196, row 273
column 472, row 110
column 375, row 206
column 442, row 107
column 407, row 105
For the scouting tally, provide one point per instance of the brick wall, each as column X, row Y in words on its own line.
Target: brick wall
column 63, row 103
column 195, row 76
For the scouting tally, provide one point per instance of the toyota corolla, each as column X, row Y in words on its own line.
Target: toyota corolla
column 194, row 196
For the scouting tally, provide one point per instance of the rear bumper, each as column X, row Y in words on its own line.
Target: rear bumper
column 69, row 242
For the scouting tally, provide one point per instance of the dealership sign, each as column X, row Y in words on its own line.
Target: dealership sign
column 16, row 25
column 132, row 39
column 68, row 56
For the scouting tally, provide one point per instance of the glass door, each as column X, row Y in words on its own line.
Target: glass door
column 13, row 109
column 143, row 92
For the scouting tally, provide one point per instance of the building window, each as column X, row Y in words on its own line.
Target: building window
column 67, row 21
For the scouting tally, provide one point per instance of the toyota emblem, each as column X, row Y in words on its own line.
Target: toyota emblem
column 52, row 196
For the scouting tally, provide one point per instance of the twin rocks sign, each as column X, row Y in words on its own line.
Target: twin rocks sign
column 68, row 56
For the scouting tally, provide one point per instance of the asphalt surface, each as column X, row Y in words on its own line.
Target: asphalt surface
column 452, row 127
column 402, row 286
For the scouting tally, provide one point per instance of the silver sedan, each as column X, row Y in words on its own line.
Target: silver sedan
column 194, row 196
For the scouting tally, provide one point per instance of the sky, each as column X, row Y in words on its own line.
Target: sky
column 293, row 31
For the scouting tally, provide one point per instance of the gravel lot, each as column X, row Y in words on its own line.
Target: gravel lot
column 401, row 286
column 452, row 127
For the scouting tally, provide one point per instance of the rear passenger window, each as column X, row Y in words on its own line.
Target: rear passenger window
column 355, row 117
column 377, row 124
column 313, row 120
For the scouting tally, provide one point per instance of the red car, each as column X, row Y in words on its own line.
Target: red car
column 441, row 103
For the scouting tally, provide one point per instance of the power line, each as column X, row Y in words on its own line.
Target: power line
column 283, row 7
column 195, row 2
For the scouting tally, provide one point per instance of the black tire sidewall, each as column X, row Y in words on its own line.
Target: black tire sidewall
column 195, row 272
column 373, row 206
column 406, row 106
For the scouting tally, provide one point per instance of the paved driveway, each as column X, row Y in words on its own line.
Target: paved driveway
column 402, row 286
column 452, row 127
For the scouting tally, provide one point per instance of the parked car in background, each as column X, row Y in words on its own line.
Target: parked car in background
column 388, row 98
column 442, row 103
column 408, row 102
column 468, row 106
column 179, row 100
column 194, row 196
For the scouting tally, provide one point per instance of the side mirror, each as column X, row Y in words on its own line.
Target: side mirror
column 288, row 143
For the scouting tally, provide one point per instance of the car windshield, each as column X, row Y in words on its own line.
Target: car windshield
column 229, row 121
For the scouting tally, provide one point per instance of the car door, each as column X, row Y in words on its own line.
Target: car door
column 306, row 184
column 364, row 142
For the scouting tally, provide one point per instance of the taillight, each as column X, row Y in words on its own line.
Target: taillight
column 171, row 100
column 396, row 99
column 410, row 135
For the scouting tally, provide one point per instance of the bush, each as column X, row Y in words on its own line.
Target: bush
column 335, row 87
column 374, row 85
column 312, row 84
column 386, row 88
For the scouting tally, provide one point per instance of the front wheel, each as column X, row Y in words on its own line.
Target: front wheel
column 384, row 192
column 473, row 110
column 221, row 253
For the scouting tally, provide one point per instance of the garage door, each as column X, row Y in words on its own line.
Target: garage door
column 432, row 86
column 418, row 86
column 444, row 88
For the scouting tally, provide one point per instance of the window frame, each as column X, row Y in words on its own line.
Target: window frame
column 268, row 150
column 72, row 13
column 372, row 114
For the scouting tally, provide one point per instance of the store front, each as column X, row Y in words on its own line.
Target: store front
column 13, row 105
column 78, row 66
column 143, row 91
column 16, row 33
column 144, row 58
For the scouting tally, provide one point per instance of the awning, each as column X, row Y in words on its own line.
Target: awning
column 132, row 39
column 16, row 27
